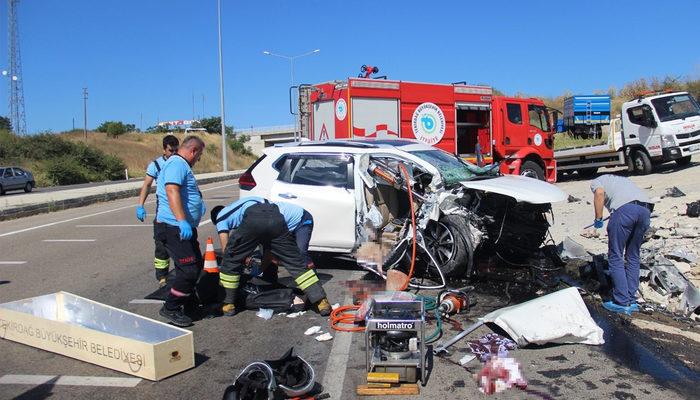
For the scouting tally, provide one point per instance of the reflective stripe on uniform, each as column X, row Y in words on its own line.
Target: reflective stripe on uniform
column 161, row 264
column 229, row 281
column 306, row 279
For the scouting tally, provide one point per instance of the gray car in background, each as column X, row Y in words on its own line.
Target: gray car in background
column 15, row 178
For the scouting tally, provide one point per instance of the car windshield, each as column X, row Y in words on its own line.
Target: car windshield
column 452, row 168
column 675, row 107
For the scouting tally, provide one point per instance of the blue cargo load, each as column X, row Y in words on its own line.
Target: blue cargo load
column 586, row 110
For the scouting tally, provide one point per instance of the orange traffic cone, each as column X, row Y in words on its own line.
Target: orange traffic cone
column 210, row 264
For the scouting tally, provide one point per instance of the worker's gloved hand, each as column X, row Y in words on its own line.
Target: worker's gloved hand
column 140, row 213
column 598, row 223
column 185, row 230
column 228, row 309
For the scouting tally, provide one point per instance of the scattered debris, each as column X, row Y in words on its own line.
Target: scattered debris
column 693, row 209
column 313, row 330
column 466, row 359
column 336, row 305
column 559, row 317
column 265, row 313
column 296, row 314
column 500, row 374
column 572, row 199
column 571, row 250
column 590, row 233
column 491, row 345
column 324, row 337
column 673, row 192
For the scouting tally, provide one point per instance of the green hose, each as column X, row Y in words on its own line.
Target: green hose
column 430, row 304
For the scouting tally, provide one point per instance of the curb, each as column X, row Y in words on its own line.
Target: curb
column 51, row 206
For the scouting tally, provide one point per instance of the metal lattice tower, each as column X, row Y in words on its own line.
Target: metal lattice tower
column 16, row 101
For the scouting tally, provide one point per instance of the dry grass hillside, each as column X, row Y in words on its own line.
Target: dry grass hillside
column 138, row 149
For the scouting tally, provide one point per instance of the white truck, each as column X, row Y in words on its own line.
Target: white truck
column 653, row 129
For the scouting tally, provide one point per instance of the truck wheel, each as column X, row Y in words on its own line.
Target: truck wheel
column 642, row 162
column 448, row 241
column 683, row 161
column 532, row 169
column 587, row 172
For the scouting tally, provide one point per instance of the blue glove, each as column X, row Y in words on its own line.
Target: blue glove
column 598, row 223
column 140, row 213
column 185, row 230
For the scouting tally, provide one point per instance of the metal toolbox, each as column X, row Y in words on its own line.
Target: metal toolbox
column 89, row 331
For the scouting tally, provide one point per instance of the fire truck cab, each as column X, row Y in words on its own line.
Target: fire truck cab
column 466, row 120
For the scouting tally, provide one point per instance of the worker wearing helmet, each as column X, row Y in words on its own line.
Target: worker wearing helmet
column 251, row 221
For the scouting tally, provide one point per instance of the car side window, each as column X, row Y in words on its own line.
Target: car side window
column 18, row 172
column 8, row 173
column 515, row 114
column 318, row 170
column 636, row 114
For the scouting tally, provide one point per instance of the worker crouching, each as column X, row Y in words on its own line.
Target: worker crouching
column 253, row 221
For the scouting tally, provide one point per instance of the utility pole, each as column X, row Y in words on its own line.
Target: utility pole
column 193, row 115
column 73, row 123
column 141, row 122
column 203, row 113
column 16, row 93
column 85, row 97
column 221, row 90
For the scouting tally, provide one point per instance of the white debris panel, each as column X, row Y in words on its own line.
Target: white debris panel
column 559, row 317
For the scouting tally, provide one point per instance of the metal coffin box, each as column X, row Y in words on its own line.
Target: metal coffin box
column 89, row 331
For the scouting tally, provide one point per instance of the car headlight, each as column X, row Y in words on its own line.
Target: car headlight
column 668, row 141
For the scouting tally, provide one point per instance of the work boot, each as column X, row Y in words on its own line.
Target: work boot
column 616, row 308
column 176, row 317
column 324, row 307
column 228, row 309
column 162, row 282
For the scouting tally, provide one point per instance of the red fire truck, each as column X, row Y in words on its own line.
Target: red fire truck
column 466, row 120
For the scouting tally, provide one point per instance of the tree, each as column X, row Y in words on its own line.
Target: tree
column 5, row 124
column 113, row 128
column 213, row 125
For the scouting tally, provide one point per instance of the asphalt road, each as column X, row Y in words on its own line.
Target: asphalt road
column 113, row 265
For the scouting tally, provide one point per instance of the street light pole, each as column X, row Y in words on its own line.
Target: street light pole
column 221, row 90
column 291, row 68
column 85, row 96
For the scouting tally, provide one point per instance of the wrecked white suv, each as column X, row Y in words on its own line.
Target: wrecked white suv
column 357, row 191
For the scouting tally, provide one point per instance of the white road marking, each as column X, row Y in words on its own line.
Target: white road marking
column 98, row 213
column 116, row 226
column 334, row 376
column 204, row 223
column 66, row 380
column 12, row 262
column 146, row 301
column 68, row 240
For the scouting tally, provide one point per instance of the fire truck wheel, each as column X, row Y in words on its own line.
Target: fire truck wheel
column 532, row 169
column 448, row 241
column 683, row 161
column 642, row 162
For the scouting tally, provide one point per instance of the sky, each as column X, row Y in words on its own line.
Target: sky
column 143, row 61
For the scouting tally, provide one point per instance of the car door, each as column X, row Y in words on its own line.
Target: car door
column 20, row 178
column 8, row 179
column 323, row 184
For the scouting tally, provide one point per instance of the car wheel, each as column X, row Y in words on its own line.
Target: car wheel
column 28, row 187
column 642, row 162
column 683, row 161
column 532, row 170
column 448, row 242
column 587, row 172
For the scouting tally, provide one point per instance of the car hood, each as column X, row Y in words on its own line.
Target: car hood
column 520, row 188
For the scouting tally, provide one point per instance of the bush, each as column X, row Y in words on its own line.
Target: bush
column 237, row 144
column 115, row 128
column 213, row 125
column 58, row 161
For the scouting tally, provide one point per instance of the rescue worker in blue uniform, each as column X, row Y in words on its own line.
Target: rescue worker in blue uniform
column 161, row 261
column 180, row 208
column 251, row 221
column 630, row 209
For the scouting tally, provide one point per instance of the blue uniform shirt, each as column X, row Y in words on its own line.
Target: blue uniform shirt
column 177, row 171
column 230, row 217
column 153, row 169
